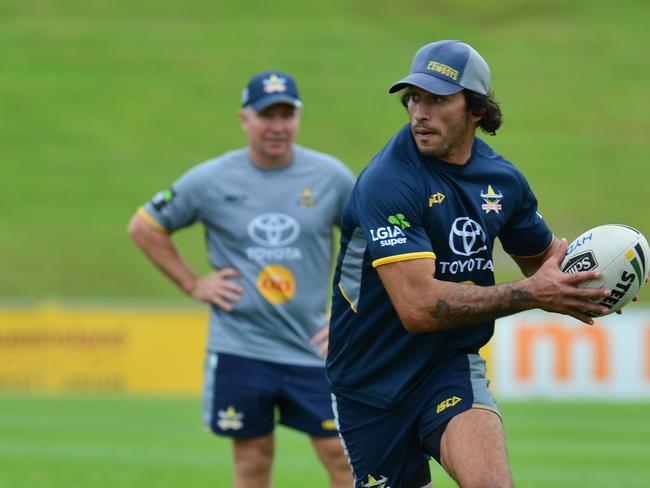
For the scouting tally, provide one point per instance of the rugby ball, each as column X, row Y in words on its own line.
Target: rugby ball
column 620, row 253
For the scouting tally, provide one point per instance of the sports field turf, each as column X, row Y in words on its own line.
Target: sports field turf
column 159, row 443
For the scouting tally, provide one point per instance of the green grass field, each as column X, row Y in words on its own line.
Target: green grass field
column 159, row 443
column 104, row 103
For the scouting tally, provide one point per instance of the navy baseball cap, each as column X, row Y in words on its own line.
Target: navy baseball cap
column 268, row 88
column 447, row 67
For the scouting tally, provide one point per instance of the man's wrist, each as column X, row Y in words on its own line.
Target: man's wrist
column 189, row 285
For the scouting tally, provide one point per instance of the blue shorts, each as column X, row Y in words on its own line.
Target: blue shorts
column 246, row 397
column 395, row 444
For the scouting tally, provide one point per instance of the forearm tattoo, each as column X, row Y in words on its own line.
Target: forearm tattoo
column 471, row 304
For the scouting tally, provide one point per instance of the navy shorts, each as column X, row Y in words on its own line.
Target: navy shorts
column 245, row 397
column 395, row 444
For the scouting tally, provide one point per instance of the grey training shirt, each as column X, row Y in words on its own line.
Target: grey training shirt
column 275, row 227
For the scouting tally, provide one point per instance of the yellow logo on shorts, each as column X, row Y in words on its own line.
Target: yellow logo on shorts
column 230, row 419
column 276, row 283
column 373, row 482
column 328, row 424
column 449, row 402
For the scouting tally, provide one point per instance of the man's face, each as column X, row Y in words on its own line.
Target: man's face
column 441, row 124
column 271, row 131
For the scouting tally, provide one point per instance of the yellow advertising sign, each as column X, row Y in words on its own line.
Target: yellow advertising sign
column 132, row 350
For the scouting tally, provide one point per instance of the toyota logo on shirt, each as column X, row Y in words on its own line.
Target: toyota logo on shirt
column 467, row 237
column 273, row 229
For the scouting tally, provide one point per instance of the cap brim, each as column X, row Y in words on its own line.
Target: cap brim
column 427, row 82
column 274, row 99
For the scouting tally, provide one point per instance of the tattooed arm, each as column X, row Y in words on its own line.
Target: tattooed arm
column 426, row 304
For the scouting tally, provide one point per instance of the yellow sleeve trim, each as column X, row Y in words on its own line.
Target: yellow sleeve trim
column 403, row 257
column 354, row 309
column 151, row 221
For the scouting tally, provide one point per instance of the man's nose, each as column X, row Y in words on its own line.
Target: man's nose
column 277, row 123
column 419, row 112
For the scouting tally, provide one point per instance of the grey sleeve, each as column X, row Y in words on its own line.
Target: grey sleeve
column 180, row 205
column 345, row 184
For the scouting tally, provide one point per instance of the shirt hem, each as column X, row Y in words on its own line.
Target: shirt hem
column 316, row 362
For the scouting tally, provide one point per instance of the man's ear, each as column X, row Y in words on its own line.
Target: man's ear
column 477, row 115
column 243, row 114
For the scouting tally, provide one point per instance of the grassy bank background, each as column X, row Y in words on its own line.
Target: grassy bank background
column 105, row 103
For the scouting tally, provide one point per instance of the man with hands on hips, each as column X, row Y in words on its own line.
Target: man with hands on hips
column 269, row 211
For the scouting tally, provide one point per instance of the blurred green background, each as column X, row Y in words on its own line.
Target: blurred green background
column 104, row 103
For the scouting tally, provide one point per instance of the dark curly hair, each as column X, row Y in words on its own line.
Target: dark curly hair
column 484, row 105
column 487, row 107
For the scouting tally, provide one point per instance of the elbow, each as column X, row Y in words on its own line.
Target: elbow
column 418, row 322
column 136, row 230
column 132, row 229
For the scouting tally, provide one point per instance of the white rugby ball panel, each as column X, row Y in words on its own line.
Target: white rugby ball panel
column 620, row 253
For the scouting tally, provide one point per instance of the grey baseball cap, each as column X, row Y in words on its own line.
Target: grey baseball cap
column 447, row 67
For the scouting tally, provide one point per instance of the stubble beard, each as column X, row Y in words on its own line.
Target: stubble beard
column 447, row 143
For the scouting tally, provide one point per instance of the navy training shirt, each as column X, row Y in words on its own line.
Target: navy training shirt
column 405, row 206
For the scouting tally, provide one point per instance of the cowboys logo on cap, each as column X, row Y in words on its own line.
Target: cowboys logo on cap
column 268, row 88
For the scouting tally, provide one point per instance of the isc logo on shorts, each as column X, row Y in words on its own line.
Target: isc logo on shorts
column 449, row 402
